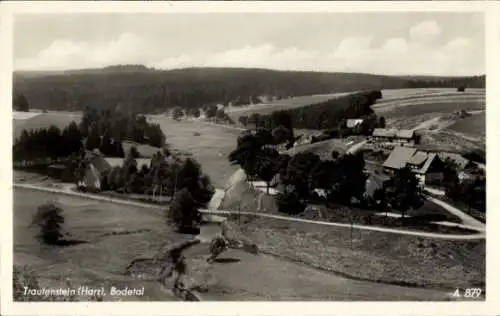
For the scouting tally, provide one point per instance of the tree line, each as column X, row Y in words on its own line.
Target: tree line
column 153, row 91
column 48, row 143
column 117, row 126
column 330, row 115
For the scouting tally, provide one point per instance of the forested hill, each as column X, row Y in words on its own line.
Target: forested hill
column 147, row 90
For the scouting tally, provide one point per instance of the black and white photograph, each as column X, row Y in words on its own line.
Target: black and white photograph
column 249, row 156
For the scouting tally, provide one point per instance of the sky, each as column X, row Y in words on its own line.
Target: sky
column 395, row 43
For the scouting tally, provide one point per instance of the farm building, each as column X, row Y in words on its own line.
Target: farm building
column 93, row 173
column 384, row 134
column 353, row 123
column 426, row 166
column 406, row 136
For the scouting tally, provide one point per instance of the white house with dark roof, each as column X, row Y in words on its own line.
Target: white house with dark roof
column 352, row 123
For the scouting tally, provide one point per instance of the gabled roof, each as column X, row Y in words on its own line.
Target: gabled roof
column 405, row 133
column 351, row 123
column 418, row 158
column 100, row 164
column 427, row 164
column 399, row 157
column 384, row 132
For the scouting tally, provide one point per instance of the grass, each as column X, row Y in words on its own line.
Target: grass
column 115, row 235
column 211, row 148
column 473, row 125
column 145, row 150
column 376, row 256
column 441, row 106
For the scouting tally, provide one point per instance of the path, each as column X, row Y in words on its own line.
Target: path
column 480, row 235
column 466, row 219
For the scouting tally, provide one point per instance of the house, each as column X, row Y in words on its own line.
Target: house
column 398, row 158
column 384, row 133
column 406, row 136
column 426, row 166
column 428, row 170
column 353, row 123
column 94, row 172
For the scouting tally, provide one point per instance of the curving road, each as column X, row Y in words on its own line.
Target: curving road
column 479, row 235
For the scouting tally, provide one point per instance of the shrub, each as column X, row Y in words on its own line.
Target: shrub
column 183, row 212
column 290, row 203
column 49, row 219
column 461, row 89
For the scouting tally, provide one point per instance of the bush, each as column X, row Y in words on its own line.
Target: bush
column 290, row 203
column 49, row 219
column 461, row 89
column 183, row 212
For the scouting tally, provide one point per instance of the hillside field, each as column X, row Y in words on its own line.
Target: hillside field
column 284, row 104
column 116, row 234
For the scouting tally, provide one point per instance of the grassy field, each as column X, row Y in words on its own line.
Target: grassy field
column 117, row 234
column 412, row 102
column 284, row 104
column 386, row 257
column 211, row 148
column 472, row 125
column 102, row 260
column 43, row 120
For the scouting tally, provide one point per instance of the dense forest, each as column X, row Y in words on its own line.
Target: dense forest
column 139, row 89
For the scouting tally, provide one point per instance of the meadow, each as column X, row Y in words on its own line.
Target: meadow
column 410, row 260
column 115, row 234
column 473, row 125
column 211, row 148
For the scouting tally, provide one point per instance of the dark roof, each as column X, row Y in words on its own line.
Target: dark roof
column 427, row 164
column 405, row 133
column 384, row 132
column 100, row 164
column 399, row 157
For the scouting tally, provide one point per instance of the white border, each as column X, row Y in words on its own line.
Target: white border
column 489, row 307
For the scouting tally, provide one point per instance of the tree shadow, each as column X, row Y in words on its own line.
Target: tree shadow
column 227, row 260
column 69, row 242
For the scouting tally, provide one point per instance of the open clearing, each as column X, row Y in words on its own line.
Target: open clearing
column 414, row 102
column 211, row 148
column 101, row 261
column 117, row 234
column 472, row 125
column 405, row 259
